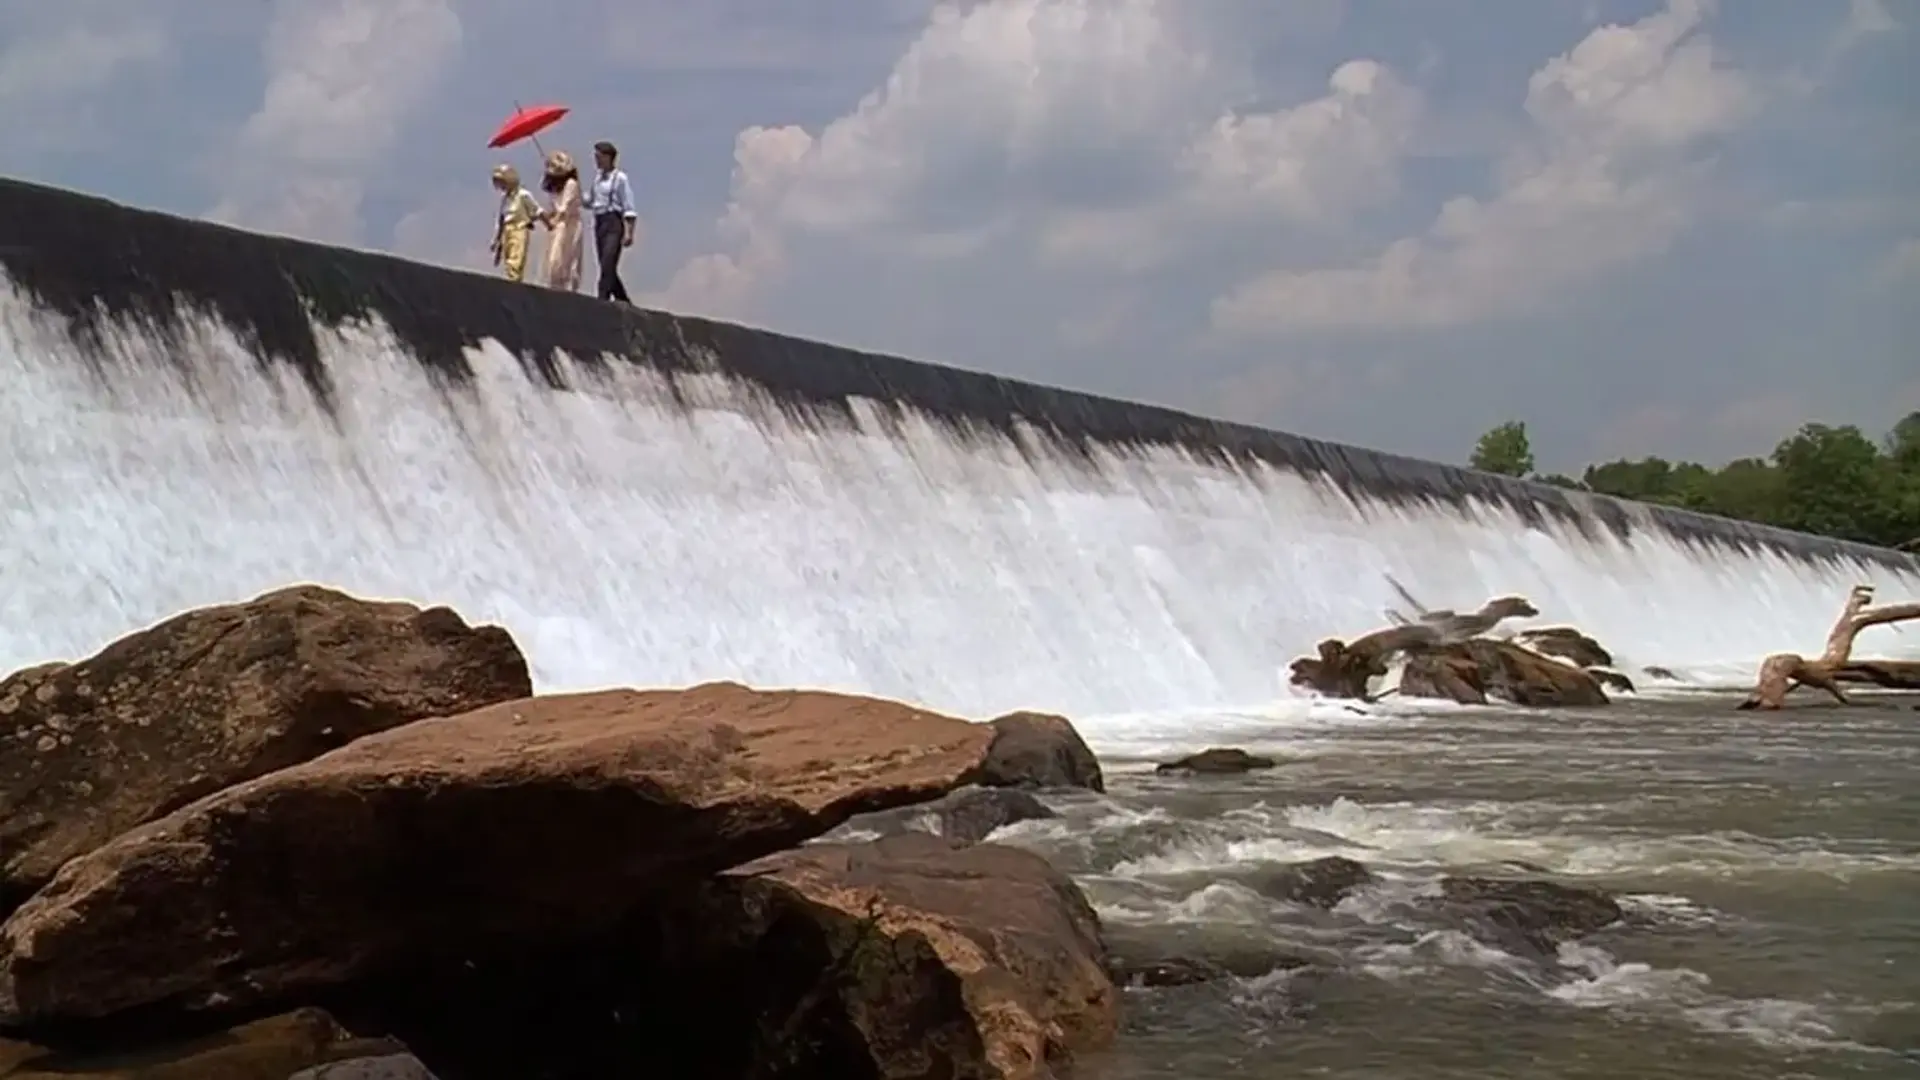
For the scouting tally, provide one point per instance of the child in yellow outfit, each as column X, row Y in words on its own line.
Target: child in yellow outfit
column 514, row 225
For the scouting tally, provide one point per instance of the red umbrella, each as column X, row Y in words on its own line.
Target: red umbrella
column 526, row 123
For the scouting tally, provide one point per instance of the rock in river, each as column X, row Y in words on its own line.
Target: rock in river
column 967, row 816
column 1473, row 671
column 1039, row 750
column 523, row 820
column 1322, row 883
column 908, row 957
column 216, row 696
column 1528, row 916
column 1218, row 761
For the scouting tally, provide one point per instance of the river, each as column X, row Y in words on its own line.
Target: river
column 1769, row 866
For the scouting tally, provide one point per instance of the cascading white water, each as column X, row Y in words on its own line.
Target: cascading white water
column 628, row 539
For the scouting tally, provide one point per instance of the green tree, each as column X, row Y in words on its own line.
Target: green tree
column 1505, row 450
column 1903, row 442
column 1836, row 482
column 1648, row 479
column 1903, row 463
column 1827, row 480
column 1748, row 489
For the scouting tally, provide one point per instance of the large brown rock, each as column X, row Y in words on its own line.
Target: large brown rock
column 906, row 958
column 1018, row 936
column 305, row 1042
column 216, row 696
column 531, row 819
column 1566, row 643
column 1474, row 671
column 1038, row 750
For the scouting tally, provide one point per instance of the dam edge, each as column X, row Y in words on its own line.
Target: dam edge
column 97, row 264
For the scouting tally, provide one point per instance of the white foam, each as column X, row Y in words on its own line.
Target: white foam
column 627, row 540
column 1412, row 837
column 1606, row 983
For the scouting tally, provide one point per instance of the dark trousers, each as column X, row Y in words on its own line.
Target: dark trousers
column 609, row 230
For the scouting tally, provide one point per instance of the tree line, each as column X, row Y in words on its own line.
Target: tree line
column 1832, row 481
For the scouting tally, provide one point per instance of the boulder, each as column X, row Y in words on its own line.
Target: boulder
column 1150, row 971
column 972, row 815
column 521, row 821
column 1038, row 750
column 908, row 957
column 1218, row 761
column 216, row 696
column 1451, row 675
column 1186, row 954
column 1527, row 916
column 1654, row 671
column 1473, row 671
column 1322, row 883
column 1612, row 680
column 968, row 816
column 305, row 1044
column 1016, row 935
column 1568, row 644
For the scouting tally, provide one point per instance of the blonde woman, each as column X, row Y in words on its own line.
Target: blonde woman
column 514, row 224
column 565, row 249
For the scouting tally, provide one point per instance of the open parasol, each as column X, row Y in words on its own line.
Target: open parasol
column 527, row 123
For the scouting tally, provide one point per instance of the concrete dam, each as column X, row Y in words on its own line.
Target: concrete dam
column 194, row 414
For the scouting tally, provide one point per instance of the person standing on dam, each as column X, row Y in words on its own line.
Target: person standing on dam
column 513, row 226
column 614, row 219
column 564, row 257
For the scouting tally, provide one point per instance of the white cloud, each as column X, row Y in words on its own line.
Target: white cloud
column 1078, row 131
column 1611, row 177
column 344, row 79
column 1310, row 165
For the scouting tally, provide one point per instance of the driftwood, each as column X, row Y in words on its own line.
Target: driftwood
column 1451, row 627
column 1781, row 673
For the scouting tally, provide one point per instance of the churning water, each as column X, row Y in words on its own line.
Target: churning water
column 1769, row 871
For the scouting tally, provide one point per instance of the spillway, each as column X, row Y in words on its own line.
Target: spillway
column 194, row 414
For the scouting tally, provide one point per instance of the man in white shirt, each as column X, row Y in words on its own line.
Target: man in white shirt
column 610, row 202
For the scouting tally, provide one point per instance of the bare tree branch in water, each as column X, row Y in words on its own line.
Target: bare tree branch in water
column 1781, row 673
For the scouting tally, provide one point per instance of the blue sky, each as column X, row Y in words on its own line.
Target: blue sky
column 1678, row 228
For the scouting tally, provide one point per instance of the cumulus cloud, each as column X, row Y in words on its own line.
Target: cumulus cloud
column 344, row 79
column 1612, row 174
column 1074, row 132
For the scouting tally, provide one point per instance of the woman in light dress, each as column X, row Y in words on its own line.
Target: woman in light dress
column 562, row 181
